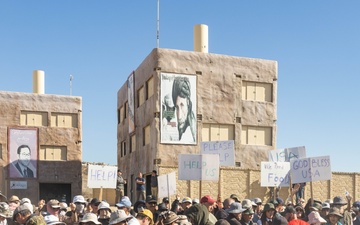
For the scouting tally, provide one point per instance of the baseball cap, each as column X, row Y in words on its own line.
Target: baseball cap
column 151, row 199
column 186, row 199
column 54, row 203
column 207, row 198
column 147, row 213
column 125, row 202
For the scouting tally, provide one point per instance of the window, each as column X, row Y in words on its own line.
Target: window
column 1, row 157
column 123, row 148
column 256, row 135
column 217, row 132
column 150, row 88
column 121, row 115
column 146, row 135
column 126, row 110
column 132, row 143
column 255, row 91
column 66, row 120
column 52, row 153
column 31, row 118
column 141, row 96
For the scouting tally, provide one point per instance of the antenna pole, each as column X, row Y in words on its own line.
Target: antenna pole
column 71, row 78
column 158, row 25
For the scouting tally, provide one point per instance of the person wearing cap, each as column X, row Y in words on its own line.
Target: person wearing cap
column 300, row 212
column 257, row 209
column 221, row 213
column 198, row 215
column 23, row 215
column 356, row 210
column 52, row 220
column 94, row 205
column 89, row 219
column 125, row 204
column 140, row 187
column 325, row 208
column 235, row 211
column 246, row 217
column 145, row 217
column 103, row 213
column 235, row 197
column 267, row 215
column 339, row 202
column 120, row 186
column 119, row 217
column 290, row 215
column 209, row 203
column 77, row 210
column 334, row 216
column 166, row 202
column 53, row 207
column 316, row 219
column 154, row 184
column 151, row 204
column 13, row 202
column 170, row 218
column 185, row 204
column 5, row 214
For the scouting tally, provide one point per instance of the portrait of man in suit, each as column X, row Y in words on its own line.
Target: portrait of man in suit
column 22, row 164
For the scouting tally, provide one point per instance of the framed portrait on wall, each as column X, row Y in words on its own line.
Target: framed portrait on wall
column 23, row 152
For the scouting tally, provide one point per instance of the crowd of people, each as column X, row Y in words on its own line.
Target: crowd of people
column 182, row 211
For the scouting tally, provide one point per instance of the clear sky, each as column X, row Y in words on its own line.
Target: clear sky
column 316, row 45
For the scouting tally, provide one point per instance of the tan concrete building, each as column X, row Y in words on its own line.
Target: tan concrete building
column 232, row 98
column 42, row 133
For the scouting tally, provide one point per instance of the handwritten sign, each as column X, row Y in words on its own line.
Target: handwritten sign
column 102, row 176
column 287, row 154
column 198, row 167
column 310, row 169
column 18, row 184
column 167, row 185
column 225, row 149
column 275, row 174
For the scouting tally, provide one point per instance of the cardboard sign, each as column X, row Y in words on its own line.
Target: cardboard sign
column 102, row 176
column 287, row 154
column 18, row 185
column 275, row 174
column 199, row 167
column 225, row 149
column 310, row 169
column 167, row 185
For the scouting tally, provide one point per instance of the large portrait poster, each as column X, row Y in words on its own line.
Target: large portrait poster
column 23, row 152
column 131, row 102
column 178, row 111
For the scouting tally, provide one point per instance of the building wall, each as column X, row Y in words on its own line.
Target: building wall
column 57, row 172
column 219, row 101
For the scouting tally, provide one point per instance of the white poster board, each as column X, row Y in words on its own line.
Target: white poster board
column 225, row 149
column 102, row 176
column 287, row 154
column 310, row 169
column 199, row 167
column 18, row 184
column 275, row 174
column 166, row 185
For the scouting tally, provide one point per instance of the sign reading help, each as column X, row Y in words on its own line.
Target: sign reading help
column 198, row 167
column 102, row 176
column 275, row 174
column 287, row 154
column 225, row 149
column 310, row 169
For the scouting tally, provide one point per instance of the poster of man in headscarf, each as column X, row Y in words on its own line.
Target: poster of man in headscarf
column 178, row 111
column 23, row 152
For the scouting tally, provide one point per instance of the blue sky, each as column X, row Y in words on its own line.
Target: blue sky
column 316, row 44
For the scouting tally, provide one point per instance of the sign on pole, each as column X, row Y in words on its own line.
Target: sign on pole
column 275, row 174
column 167, row 185
column 287, row 154
column 310, row 169
column 199, row 167
column 102, row 176
column 225, row 149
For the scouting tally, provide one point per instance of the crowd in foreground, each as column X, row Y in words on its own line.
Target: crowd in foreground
column 185, row 211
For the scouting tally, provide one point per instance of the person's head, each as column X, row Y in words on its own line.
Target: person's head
column 119, row 217
column 151, row 203
column 79, row 202
column 52, row 220
column 53, row 207
column 334, row 215
column 140, row 175
column 166, row 202
column 235, row 197
column 339, row 202
column 247, row 215
column 21, row 214
column 186, row 203
column 236, row 210
column 170, row 218
column 290, row 213
column 209, row 202
column 104, row 210
column 13, row 202
column 153, row 173
column 89, row 219
column 181, row 94
column 269, row 211
column 325, row 209
column 145, row 217
column 315, row 218
column 4, row 211
column 227, row 202
column 94, row 205
column 119, row 172
column 41, row 203
column 300, row 212
column 24, row 155
column 124, row 204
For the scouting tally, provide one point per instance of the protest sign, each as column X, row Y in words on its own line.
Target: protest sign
column 310, row 169
column 225, row 149
column 167, row 185
column 102, row 176
column 287, row 154
column 275, row 174
column 198, row 167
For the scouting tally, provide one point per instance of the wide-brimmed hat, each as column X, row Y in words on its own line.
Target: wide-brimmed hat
column 249, row 211
column 269, row 206
column 51, row 220
column 235, row 197
column 21, row 208
column 104, row 205
column 314, row 217
column 325, row 205
column 246, row 204
column 316, row 206
column 125, row 202
column 89, row 217
column 14, row 198
column 338, row 200
column 334, row 211
column 4, row 210
column 235, row 207
column 170, row 218
column 147, row 213
column 79, row 198
column 257, row 201
column 118, row 216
